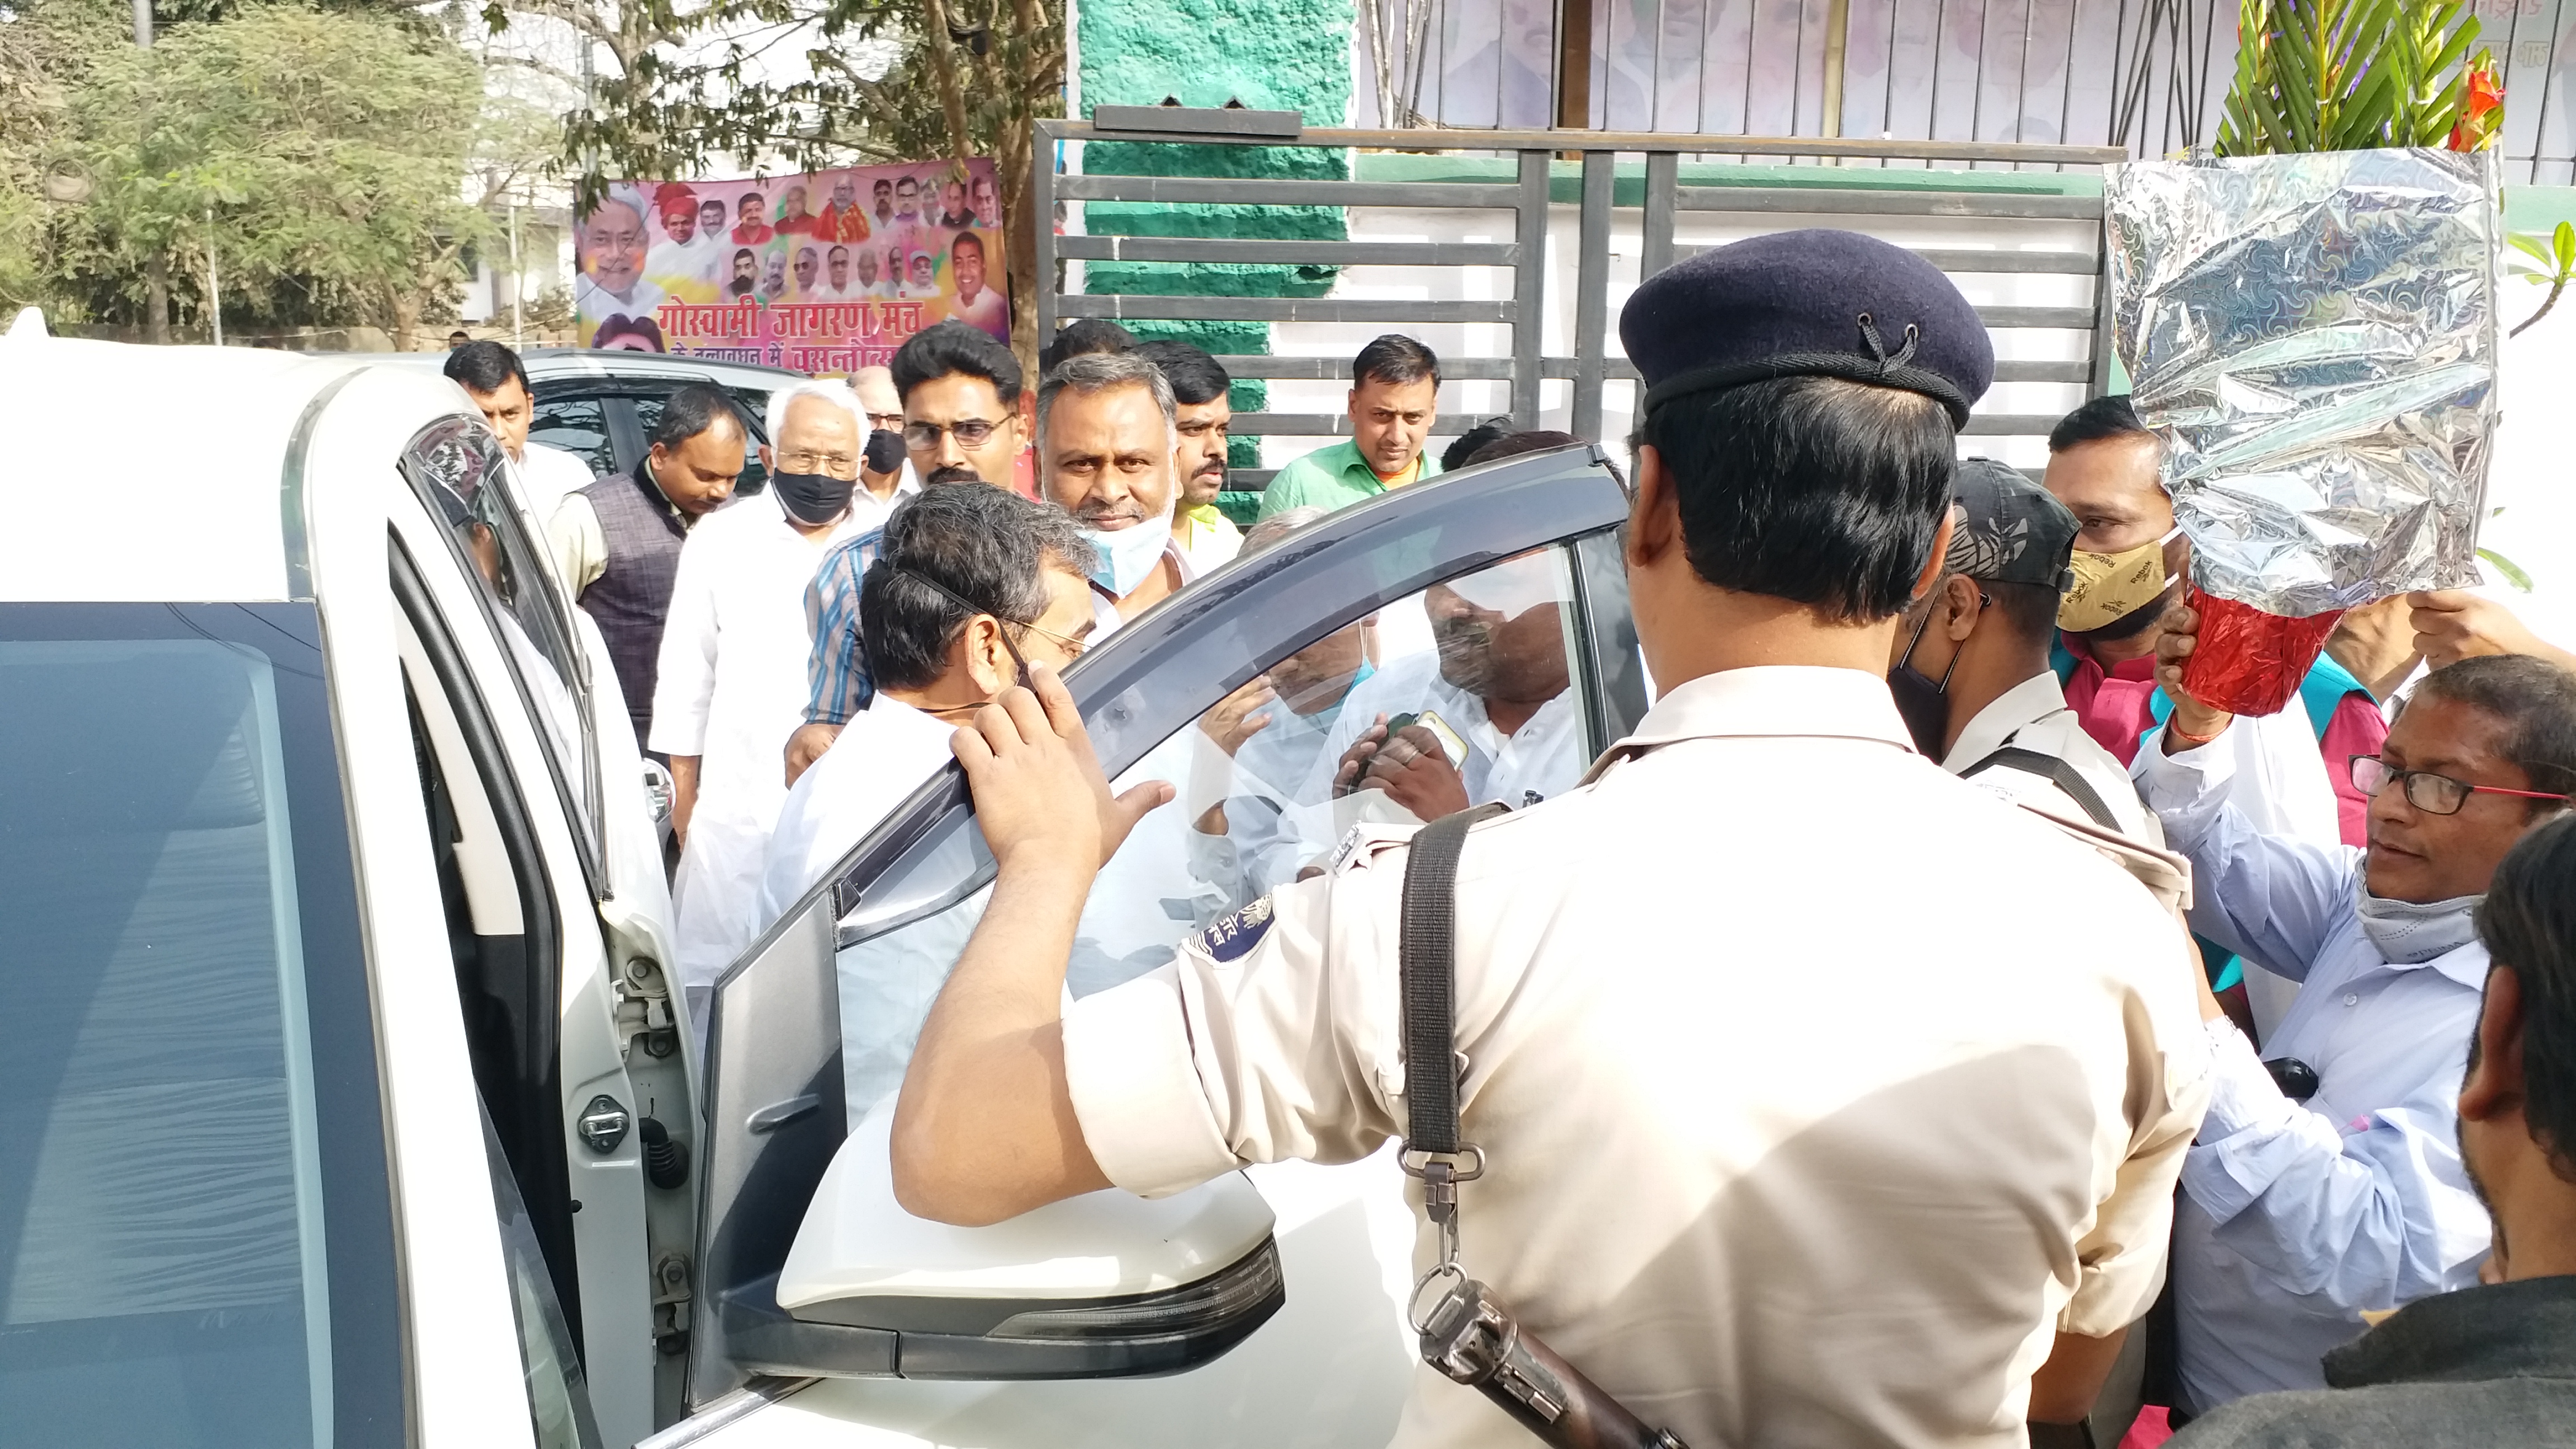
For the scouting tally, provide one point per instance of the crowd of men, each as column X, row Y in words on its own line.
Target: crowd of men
column 2199, row 1166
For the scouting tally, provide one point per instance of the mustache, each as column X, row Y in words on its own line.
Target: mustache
column 1100, row 511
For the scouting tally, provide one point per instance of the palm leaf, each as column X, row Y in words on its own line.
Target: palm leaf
column 2314, row 75
column 2512, row 571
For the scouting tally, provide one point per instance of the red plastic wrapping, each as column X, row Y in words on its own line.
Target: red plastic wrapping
column 2247, row 661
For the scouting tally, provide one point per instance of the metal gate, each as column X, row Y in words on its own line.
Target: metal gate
column 1805, row 191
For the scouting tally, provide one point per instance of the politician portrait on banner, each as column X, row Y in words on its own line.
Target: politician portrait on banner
column 824, row 272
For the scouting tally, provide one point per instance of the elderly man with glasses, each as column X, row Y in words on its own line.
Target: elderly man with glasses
column 731, row 671
column 2326, row 1181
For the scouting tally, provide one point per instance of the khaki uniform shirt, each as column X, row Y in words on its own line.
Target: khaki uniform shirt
column 1817, row 1087
column 2033, row 715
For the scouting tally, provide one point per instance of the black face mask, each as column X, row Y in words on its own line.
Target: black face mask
column 1921, row 703
column 885, row 451
column 813, row 499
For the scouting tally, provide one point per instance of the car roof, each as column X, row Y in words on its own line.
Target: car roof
column 157, row 473
column 558, row 364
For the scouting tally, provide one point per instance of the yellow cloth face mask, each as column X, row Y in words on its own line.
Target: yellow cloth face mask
column 2110, row 586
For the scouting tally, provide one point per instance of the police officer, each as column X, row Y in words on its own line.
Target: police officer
column 1794, row 1135
column 1972, row 675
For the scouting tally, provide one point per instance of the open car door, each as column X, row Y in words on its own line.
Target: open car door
column 1407, row 604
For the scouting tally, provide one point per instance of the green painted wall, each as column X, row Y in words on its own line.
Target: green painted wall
column 1269, row 54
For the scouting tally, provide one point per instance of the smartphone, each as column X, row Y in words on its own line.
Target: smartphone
column 1450, row 743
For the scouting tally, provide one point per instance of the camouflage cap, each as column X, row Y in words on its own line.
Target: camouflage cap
column 2007, row 529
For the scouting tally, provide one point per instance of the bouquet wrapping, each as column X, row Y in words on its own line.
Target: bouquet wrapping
column 2313, row 337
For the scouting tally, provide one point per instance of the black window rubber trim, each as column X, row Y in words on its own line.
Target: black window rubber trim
column 546, row 1181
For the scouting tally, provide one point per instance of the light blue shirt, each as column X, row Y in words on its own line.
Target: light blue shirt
column 2296, row 1217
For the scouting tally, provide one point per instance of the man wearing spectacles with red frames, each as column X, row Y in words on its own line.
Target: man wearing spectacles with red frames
column 2326, row 1180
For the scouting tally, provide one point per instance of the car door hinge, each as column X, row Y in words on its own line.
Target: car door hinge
column 671, row 1295
column 644, row 1009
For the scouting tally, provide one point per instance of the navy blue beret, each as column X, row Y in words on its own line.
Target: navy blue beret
column 1813, row 303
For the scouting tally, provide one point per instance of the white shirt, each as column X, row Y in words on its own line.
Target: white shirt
column 2032, row 715
column 987, row 311
column 1270, row 829
column 870, row 511
column 1543, row 758
column 2299, row 1217
column 547, row 474
column 598, row 304
column 731, row 689
column 698, row 263
column 1752, row 1217
column 881, row 756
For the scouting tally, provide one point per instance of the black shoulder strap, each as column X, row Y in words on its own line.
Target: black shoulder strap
column 1426, row 956
column 2057, row 770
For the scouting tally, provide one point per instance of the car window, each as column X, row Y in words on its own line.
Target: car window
column 195, row 1232
column 1480, row 668
column 648, row 416
column 579, row 427
column 452, row 465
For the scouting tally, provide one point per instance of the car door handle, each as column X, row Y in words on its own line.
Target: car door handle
column 779, row 1114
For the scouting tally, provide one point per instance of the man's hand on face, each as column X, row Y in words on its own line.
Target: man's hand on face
column 2453, row 624
column 806, row 746
column 1411, row 768
column 1039, row 794
column 1239, row 716
column 2190, row 717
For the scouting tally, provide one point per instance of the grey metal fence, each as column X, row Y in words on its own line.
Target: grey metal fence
column 1663, row 202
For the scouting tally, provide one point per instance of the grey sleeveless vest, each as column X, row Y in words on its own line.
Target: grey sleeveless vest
column 633, row 592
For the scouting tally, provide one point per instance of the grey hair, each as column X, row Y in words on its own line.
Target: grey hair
column 1097, row 372
column 838, row 395
column 1279, row 525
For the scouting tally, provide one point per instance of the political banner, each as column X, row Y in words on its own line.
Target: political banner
column 824, row 272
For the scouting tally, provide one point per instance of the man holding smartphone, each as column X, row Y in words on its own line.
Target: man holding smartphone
column 1483, row 716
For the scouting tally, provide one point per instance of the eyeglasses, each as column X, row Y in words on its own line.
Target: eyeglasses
column 838, row 465
column 969, row 432
column 890, row 422
column 2433, row 794
column 1072, row 647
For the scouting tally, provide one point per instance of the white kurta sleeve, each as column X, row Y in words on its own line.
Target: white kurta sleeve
column 579, row 544
column 685, row 680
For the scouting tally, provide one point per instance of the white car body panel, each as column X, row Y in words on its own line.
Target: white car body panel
column 858, row 1242
column 1332, row 1368
column 467, row 1386
column 197, row 512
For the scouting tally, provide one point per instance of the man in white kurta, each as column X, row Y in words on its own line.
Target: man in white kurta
column 731, row 676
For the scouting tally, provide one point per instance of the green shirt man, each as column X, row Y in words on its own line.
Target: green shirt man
column 1395, row 387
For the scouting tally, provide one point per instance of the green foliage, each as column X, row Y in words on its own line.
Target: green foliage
column 2553, row 263
column 2346, row 75
column 317, row 154
column 683, row 114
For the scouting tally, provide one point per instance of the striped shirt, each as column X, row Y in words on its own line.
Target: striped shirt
column 836, row 672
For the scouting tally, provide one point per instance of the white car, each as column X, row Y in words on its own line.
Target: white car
column 345, row 1099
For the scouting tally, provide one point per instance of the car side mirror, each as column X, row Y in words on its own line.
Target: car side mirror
column 1102, row 1285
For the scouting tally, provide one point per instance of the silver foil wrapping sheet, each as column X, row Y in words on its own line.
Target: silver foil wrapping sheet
column 2315, row 339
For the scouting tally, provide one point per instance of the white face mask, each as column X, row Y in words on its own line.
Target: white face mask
column 1125, row 556
column 2410, row 934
